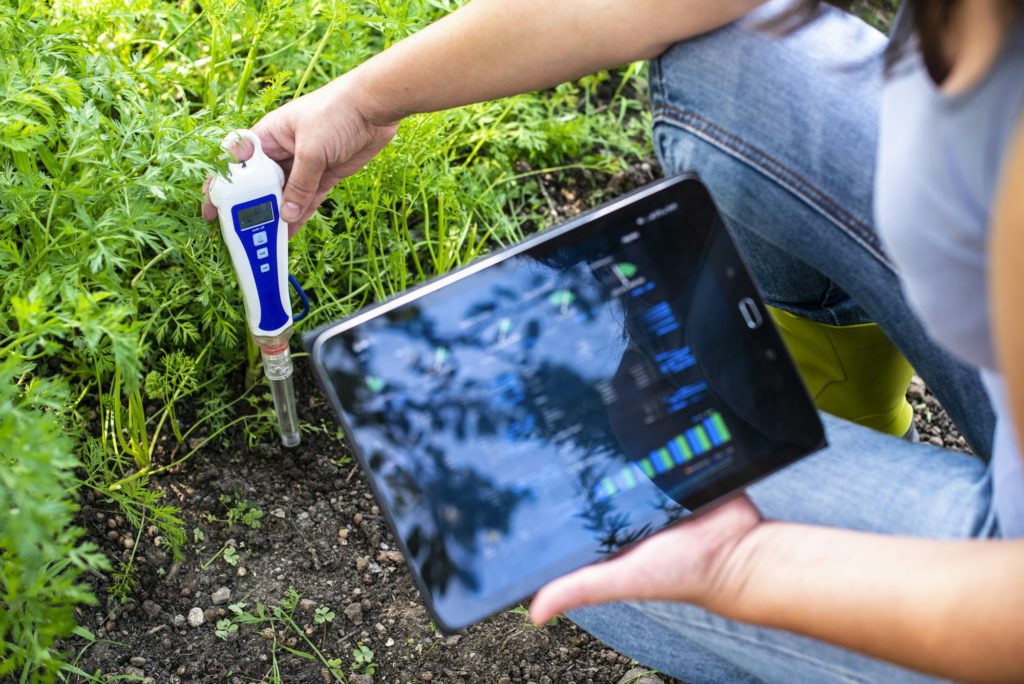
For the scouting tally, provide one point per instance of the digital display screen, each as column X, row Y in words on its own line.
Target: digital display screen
column 256, row 215
column 561, row 404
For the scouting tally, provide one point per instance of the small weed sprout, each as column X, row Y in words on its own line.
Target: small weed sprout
column 323, row 615
column 225, row 628
column 241, row 510
column 362, row 659
column 230, row 556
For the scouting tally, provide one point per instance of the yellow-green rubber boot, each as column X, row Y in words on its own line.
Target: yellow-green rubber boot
column 851, row 371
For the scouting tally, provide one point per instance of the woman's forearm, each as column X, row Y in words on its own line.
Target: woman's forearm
column 949, row 607
column 1006, row 251
column 494, row 48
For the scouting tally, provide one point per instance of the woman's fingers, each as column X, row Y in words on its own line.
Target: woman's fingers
column 677, row 564
column 242, row 150
column 303, row 182
column 601, row 583
column 209, row 211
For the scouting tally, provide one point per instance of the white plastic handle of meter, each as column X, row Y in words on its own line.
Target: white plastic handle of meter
column 248, row 204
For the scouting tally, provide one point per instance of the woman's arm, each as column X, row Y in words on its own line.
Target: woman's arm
column 493, row 48
column 1007, row 282
column 484, row 50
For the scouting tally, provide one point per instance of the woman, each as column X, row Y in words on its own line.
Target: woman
column 877, row 559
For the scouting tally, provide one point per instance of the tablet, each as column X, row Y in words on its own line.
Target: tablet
column 559, row 400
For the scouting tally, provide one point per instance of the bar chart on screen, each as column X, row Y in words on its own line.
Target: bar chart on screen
column 703, row 438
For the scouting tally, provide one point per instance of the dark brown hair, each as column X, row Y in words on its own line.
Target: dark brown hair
column 922, row 29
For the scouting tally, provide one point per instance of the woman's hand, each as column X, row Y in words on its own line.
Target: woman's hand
column 684, row 563
column 318, row 139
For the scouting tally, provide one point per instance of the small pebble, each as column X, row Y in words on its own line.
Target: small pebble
column 196, row 617
column 427, row 676
column 151, row 608
column 307, row 604
column 640, row 675
column 138, row 661
column 222, row 595
column 354, row 612
column 179, row 621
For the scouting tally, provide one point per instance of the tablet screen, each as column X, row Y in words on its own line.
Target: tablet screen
column 565, row 401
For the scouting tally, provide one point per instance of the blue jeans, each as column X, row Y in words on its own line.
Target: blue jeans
column 783, row 131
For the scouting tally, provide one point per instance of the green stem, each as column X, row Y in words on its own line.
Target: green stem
column 250, row 60
column 175, row 40
column 313, row 60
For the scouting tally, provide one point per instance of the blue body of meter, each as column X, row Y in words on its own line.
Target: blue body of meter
column 256, row 223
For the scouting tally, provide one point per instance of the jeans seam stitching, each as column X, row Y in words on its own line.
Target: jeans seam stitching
column 796, row 655
column 775, row 170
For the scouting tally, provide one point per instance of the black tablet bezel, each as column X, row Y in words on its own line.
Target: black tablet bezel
column 639, row 207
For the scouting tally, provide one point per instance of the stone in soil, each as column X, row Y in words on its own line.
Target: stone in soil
column 354, row 612
column 151, row 609
column 222, row 595
column 196, row 617
column 639, row 675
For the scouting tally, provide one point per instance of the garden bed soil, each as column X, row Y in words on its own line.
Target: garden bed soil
column 322, row 534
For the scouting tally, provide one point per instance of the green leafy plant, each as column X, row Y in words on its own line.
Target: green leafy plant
column 362, row 659
column 225, row 628
column 43, row 555
column 227, row 552
column 323, row 615
column 239, row 510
